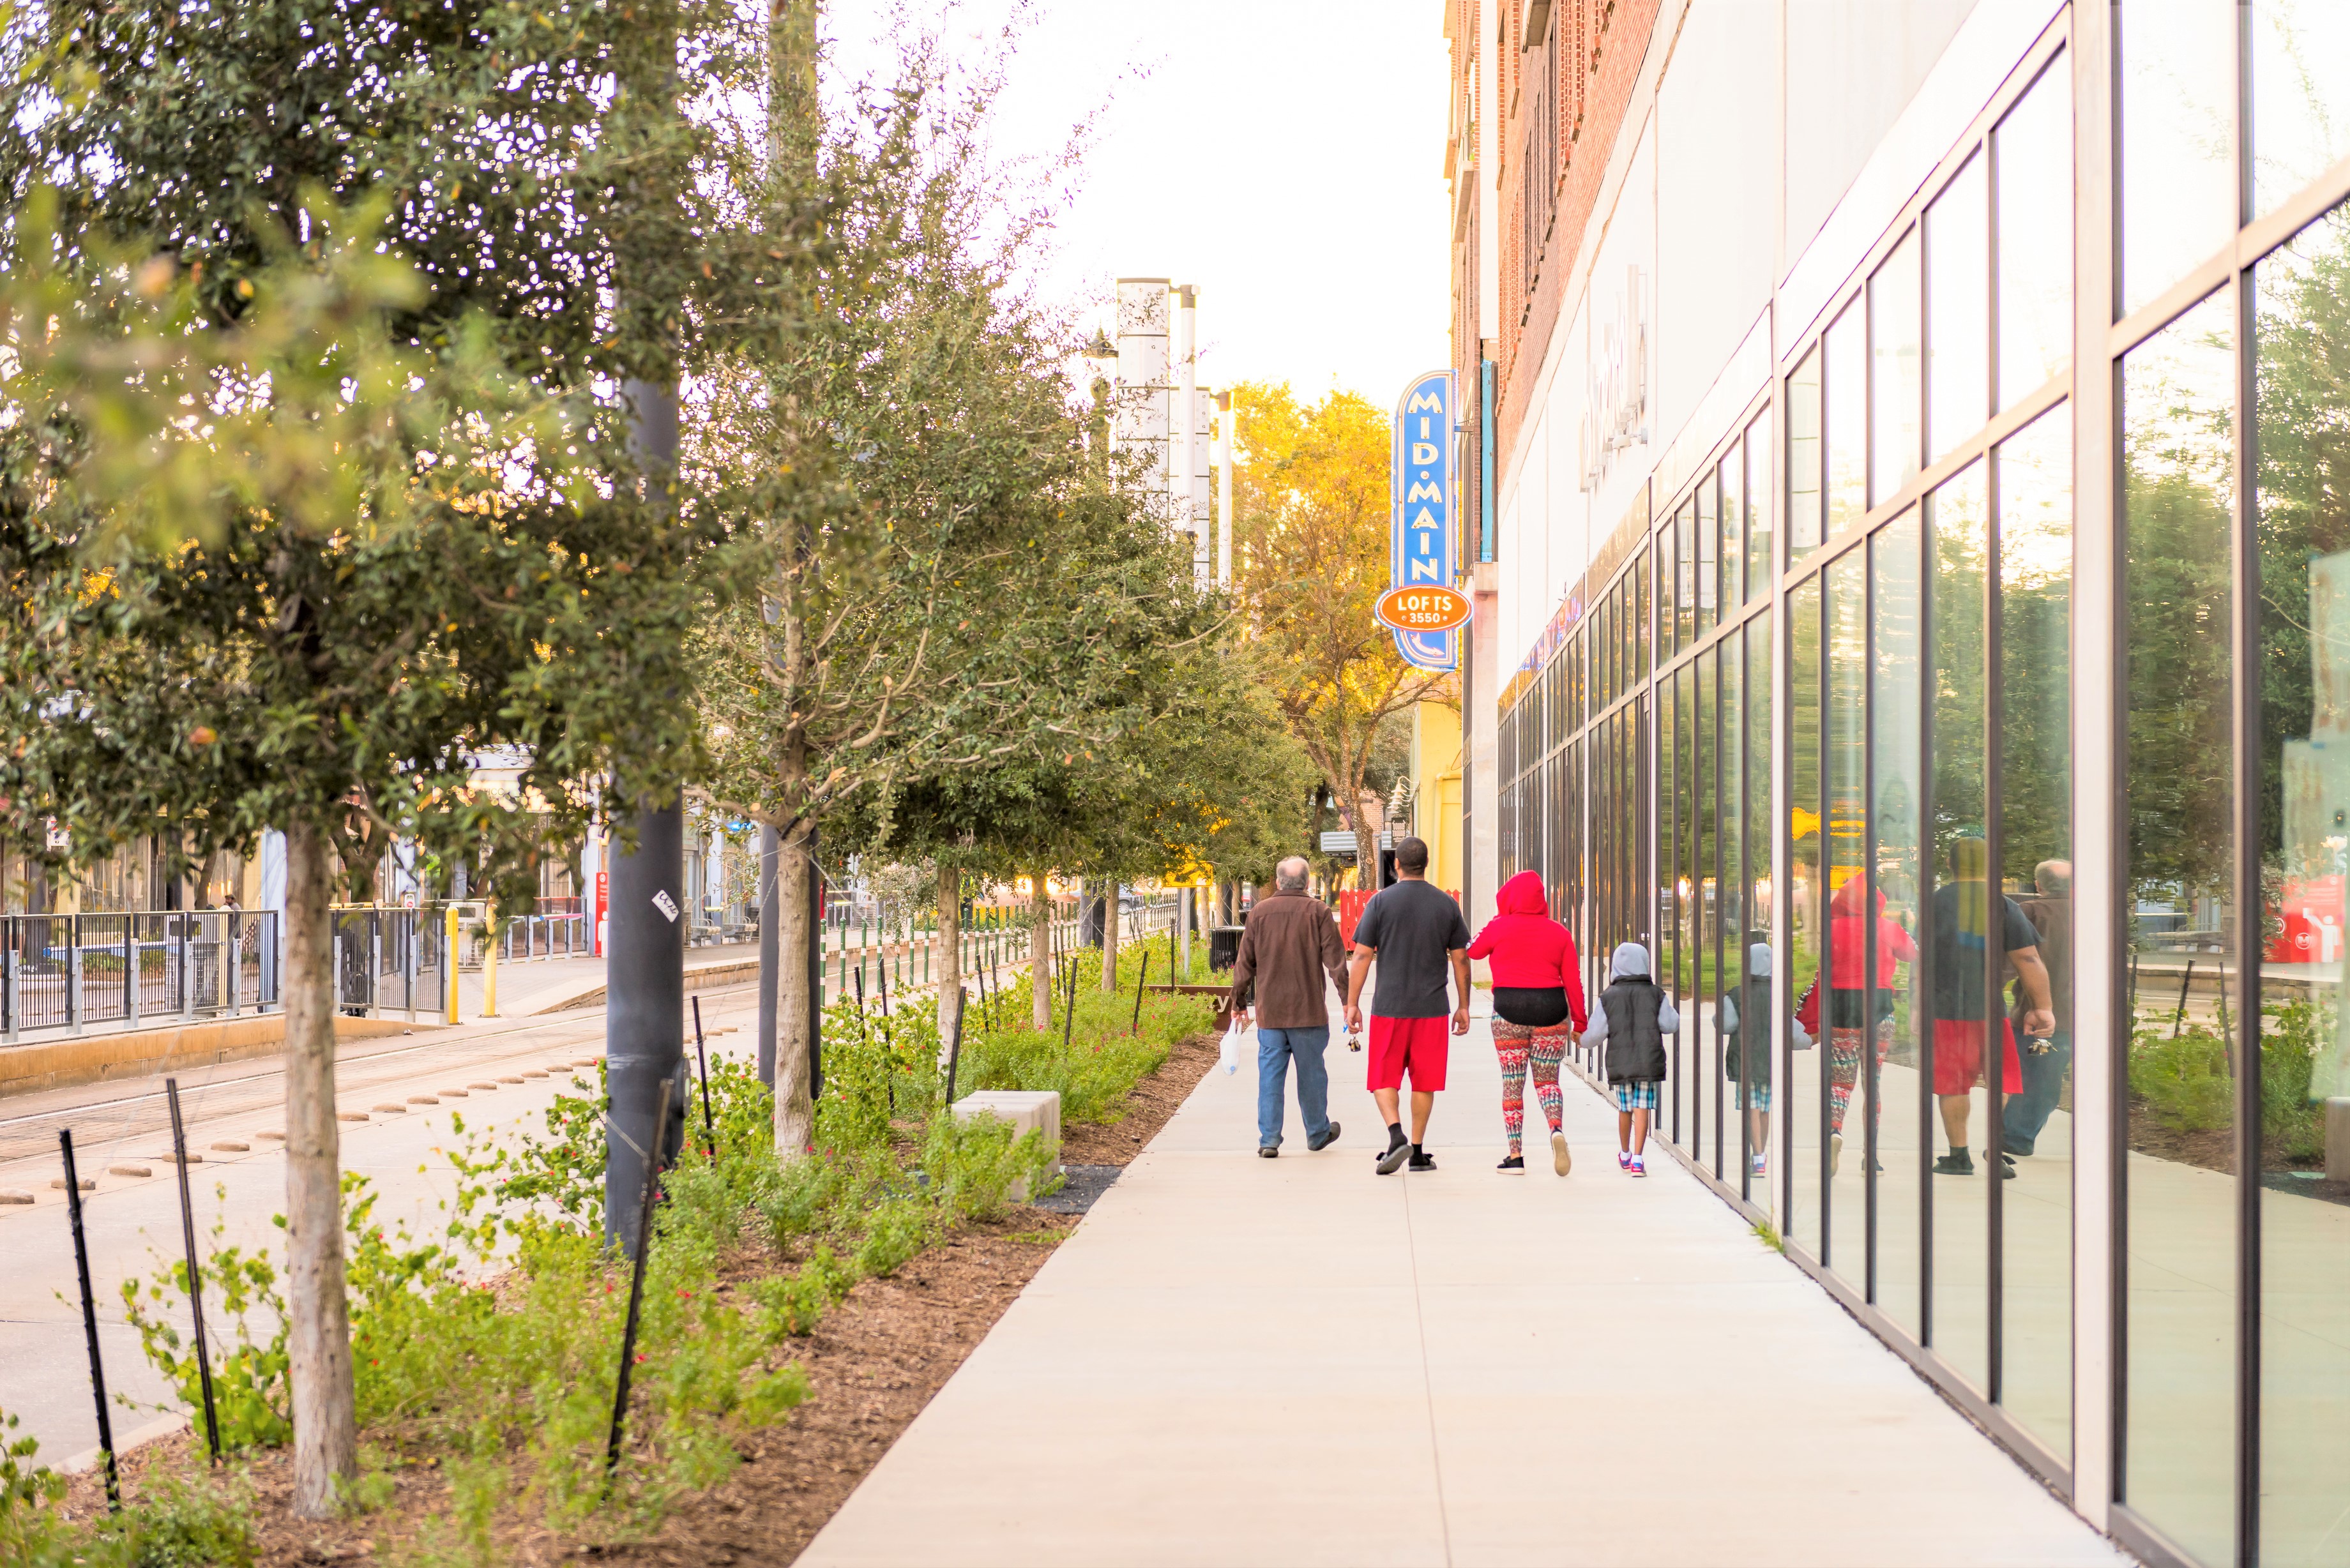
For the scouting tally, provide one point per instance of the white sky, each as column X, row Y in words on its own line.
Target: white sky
column 1286, row 156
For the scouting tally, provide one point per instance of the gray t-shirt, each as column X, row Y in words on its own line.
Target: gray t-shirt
column 1414, row 926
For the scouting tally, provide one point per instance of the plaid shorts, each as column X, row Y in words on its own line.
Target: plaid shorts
column 1639, row 1096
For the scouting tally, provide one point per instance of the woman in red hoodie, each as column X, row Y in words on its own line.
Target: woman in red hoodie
column 1850, row 1026
column 1537, row 1000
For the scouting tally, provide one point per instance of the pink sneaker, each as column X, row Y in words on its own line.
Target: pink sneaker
column 1623, row 1159
column 1636, row 1165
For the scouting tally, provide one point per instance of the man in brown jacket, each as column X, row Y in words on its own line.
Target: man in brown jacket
column 1289, row 945
column 2046, row 1064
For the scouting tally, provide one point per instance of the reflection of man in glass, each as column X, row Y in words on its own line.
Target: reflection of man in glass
column 2045, row 1064
column 1966, row 921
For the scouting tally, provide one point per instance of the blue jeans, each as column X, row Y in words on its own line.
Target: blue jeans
column 1275, row 1047
column 2024, row 1114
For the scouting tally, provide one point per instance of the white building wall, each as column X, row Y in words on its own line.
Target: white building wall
column 1715, row 207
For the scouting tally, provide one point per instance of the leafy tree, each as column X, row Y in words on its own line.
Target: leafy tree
column 364, row 544
column 1310, row 499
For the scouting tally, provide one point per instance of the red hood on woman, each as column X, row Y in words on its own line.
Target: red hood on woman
column 1526, row 948
column 1849, row 915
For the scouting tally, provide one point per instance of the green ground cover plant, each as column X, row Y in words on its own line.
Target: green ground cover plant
column 486, row 1345
column 2187, row 1082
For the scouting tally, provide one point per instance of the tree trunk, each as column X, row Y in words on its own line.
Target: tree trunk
column 319, row 1330
column 949, row 956
column 1040, row 963
column 1109, row 935
column 795, row 1004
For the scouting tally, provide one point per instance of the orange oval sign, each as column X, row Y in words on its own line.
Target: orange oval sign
column 1423, row 609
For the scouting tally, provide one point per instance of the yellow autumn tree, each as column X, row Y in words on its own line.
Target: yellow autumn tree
column 1309, row 564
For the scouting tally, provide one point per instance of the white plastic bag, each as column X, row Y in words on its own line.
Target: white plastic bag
column 1235, row 1046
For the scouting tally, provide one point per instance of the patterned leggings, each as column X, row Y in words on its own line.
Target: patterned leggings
column 1516, row 1044
column 1844, row 1048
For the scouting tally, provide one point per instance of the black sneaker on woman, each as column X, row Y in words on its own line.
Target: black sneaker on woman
column 1516, row 1162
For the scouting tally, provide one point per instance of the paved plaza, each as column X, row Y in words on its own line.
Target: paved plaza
column 1238, row 1361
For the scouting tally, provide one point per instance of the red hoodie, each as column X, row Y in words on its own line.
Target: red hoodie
column 1528, row 948
column 1848, row 939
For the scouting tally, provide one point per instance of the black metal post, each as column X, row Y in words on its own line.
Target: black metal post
column 642, row 1050
column 771, row 853
column 815, row 972
column 195, row 1279
column 2179, row 1019
column 1069, row 1014
column 1136, row 1027
column 954, row 1056
column 636, row 1300
column 702, row 1059
column 89, row 1321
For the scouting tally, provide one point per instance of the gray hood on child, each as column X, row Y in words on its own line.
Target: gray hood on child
column 1631, row 958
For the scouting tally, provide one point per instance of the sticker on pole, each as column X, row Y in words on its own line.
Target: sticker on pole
column 666, row 904
column 1424, row 609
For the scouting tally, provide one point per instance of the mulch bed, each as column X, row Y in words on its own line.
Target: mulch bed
column 873, row 1362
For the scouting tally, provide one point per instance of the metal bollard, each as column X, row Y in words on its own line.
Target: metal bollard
column 448, row 962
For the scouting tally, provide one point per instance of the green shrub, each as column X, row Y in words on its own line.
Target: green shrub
column 793, row 1305
column 191, row 1520
column 250, row 1392
column 31, row 1532
column 2188, row 1083
column 972, row 1166
column 1108, row 1049
column 877, row 1067
column 901, row 1227
column 564, row 1171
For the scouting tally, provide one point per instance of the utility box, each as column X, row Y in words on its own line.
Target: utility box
column 1027, row 1110
column 2337, row 1138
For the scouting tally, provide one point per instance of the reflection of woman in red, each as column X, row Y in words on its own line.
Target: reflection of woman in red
column 1849, row 1025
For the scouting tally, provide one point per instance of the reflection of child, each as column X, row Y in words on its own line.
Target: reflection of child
column 1746, row 1052
column 1633, row 1018
column 1849, row 1027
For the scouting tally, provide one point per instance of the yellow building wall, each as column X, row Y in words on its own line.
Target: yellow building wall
column 1436, row 785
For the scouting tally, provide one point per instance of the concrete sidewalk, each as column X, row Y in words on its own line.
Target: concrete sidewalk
column 1237, row 1361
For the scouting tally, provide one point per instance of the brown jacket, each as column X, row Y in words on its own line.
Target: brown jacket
column 2052, row 919
column 1290, row 944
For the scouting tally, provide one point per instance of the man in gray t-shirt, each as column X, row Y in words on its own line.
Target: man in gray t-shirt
column 1418, row 934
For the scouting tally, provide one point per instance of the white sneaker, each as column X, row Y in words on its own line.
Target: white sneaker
column 1755, row 1166
column 1560, row 1160
column 1836, row 1151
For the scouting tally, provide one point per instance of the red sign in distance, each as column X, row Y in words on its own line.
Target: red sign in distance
column 1423, row 609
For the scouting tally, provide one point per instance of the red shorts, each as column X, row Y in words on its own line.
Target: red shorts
column 1959, row 1056
column 1421, row 1045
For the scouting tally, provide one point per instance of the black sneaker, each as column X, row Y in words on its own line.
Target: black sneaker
column 1957, row 1162
column 1392, row 1161
column 1515, row 1162
column 2006, row 1163
column 1428, row 1162
column 1268, row 1151
column 1317, row 1145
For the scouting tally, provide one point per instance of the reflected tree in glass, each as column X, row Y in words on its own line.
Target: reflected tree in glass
column 2302, row 498
column 2179, row 1264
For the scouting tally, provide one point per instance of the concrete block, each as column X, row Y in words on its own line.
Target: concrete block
column 2337, row 1138
column 1028, row 1110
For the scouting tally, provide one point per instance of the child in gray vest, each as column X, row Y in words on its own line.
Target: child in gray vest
column 1633, row 1018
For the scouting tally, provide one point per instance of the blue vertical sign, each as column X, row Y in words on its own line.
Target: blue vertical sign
column 1420, row 497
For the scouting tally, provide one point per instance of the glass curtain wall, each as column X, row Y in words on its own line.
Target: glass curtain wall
column 1929, row 743
column 1910, row 511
